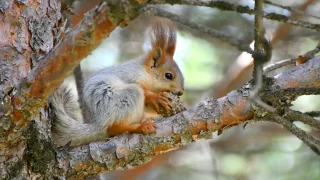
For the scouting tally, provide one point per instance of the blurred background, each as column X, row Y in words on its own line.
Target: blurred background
column 262, row 150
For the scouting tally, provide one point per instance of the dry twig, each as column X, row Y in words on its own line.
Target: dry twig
column 297, row 11
column 308, row 55
column 302, row 117
column 309, row 140
column 228, row 6
column 262, row 53
column 214, row 33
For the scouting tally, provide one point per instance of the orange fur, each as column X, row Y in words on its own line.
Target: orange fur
column 158, row 62
column 146, row 126
column 155, row 99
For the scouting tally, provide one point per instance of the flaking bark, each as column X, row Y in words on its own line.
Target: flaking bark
column 35, row 59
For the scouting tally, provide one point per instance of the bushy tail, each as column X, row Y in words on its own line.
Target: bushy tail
column 67, row 121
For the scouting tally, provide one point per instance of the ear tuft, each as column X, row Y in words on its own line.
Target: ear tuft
column 156, row 57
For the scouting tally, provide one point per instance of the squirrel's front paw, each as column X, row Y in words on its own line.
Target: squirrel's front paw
column 147, row 126
column 158, row 100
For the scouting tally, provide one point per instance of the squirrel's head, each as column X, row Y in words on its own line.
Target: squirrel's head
column 165, row 74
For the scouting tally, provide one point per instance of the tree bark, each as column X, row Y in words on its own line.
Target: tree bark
column 28, row 30
column 35, row 47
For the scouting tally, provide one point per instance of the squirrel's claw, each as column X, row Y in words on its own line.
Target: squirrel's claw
column 165, row 103
column 157, row 100
column 147, row 126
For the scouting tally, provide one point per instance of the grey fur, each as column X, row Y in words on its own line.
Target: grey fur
column 112, row 95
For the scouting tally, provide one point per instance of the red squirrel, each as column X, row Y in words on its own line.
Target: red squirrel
column 116, row 96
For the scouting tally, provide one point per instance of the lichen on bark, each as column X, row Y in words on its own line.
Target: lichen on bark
column 41, row 34
column 40, row 152
column 4, row 5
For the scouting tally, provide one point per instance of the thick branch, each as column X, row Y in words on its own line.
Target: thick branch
column 76, row 44
column 210, row 115
column 303, row 76
column 127, row 149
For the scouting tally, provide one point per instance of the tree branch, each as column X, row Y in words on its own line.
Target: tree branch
column 127, row 149
column 261, row 54
column 210, row 115
column 313, row 113
column 298, row 77
column 308, row 55
column 309, row 140
column 77, row 43
column 214, row 33
column 239, row 74
column 228, row 6
column 298, row 11
column 298, row 116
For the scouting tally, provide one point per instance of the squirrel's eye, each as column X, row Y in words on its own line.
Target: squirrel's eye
column 169, row 76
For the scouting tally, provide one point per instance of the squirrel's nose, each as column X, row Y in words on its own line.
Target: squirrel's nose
column 177, row 91
column 180, row 93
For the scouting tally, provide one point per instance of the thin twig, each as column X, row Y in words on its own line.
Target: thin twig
column 259, row 56
column 313, row 113
column 283, row 97
column 258, row 23
column 279, row 64
column 308, row 55
column 309, row 140
column 264, row 105
column 258, row 83
column 259, row 38
column 78, row 76
column 77, row 73
column 228, row 6
column 254, row 98
column 217, row 34
column 312, row 53
column 298, row 91
column 234, row 77
column 290, row 9
column 299, row 116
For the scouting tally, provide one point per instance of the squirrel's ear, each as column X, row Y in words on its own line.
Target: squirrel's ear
column 157, row 58
column 172, row 39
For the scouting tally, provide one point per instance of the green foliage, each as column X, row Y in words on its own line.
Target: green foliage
column 200, row 61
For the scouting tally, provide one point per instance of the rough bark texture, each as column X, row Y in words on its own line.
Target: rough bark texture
column 35, row 59
column 37, row 51
column 27, row 31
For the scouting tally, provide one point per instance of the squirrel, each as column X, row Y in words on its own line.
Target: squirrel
column 116, row 97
